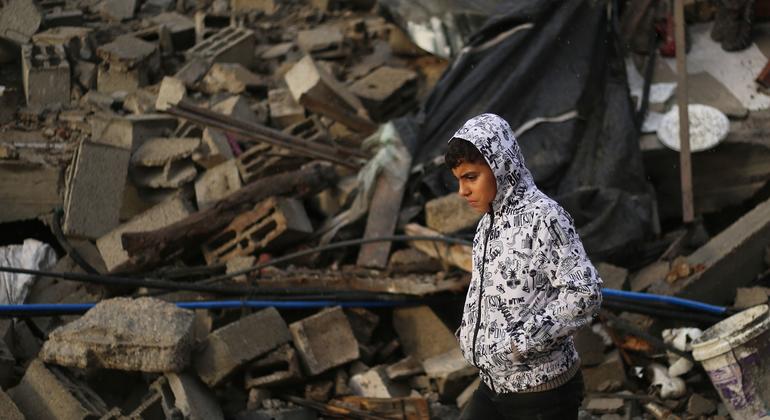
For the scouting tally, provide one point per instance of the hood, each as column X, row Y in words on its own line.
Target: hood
column 494, row 138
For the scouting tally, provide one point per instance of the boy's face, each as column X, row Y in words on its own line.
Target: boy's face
column 477, row 184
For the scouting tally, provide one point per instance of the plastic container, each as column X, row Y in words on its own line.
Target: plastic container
column 736, row 355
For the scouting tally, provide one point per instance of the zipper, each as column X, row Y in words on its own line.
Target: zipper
column 478, row 303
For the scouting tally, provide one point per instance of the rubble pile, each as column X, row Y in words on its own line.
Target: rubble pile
column 196, row 165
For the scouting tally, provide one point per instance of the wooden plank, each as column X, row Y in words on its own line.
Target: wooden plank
column 688, row 213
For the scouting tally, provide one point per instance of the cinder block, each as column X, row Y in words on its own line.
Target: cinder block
column 325, row 41
column 94, row 195
column 229, row 45
column 387, row 92
column 306, row 80
column 279, row 367
column 274, row 223
column 245, row 6
column 208, row 23
column 324, row 340
column 127, row 64
column 180, row 27
column 160, row 215
column 232, row 346
column 450, row 214
column 421, row 333
column 52, row 393
column 46, row 75
column 284, row 109
column 216, row 183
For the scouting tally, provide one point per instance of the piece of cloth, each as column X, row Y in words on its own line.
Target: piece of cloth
column 561, row 403
column 532, row 284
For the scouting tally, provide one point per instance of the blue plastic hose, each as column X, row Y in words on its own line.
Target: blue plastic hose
column 309, row 304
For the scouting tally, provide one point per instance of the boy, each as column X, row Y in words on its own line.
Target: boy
column 532, row 284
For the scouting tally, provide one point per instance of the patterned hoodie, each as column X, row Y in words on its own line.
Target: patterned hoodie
column 532, row 284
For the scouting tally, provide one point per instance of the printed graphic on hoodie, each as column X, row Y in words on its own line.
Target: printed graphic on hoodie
column 532, row 284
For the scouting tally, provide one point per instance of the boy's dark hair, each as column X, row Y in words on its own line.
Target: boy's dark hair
column 461, row 151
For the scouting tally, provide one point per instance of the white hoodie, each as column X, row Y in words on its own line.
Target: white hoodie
column 538, row 285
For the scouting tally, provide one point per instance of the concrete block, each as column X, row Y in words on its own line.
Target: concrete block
column 45, row 74
column 279, row 367
column 8, row 408
column 324, row 340
column 450, row 214
column 171, row 92
column 232, row 346
column 590, row 346
column 273, row 224
column 421, row 333
column 209, row 22
column 737, row 253
column 57, row 17
column 127, row 64
column 76, row 40
column 231, row 77
column 117, row 10
column 363, row 322
column 467, row 393
column 229, row 45
column 168, row 212
column 649, row 275
column 236, row 107
column 611, row 371
column 193, row 71
column 387, row 92
column 132, row 131
column 214, row 150
column 28, row 190
column 267, row 7
column 180, row 27
column 216, row 183
column 193, row 399
column 746, row 297
column 51, row 393
column 612, row 276
column 160, row 151
column 375, row 384
column 174, row 174
column 605, row 405
column 450, row 372
column 19, row 20
column 284, row 109
column 144, row 334
column 94, row 194
column 697, row 405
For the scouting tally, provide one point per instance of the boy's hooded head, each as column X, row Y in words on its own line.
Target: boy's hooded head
column 496, row 155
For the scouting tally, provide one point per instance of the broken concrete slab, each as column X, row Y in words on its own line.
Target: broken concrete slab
column 284, row 109
column 736, row 253
column 236, row 107
column 325, row 41
column 127, row 64
column 404, row 368
column 279, row 367
column 216, row 183
column 698, row 405
column 375, row 384
column 159, row 151
column 363, row 322
column 410, row 260
column 51, row 393
column 746, row 297
column 590, row 346
column 610, row 371
column 267, row 7
column 76, row 40
column 95, row 185
column 230, row 347
column 171, row 92
column 144, row 334
column 193, row 398
column 161, row 215
column 132, row 131
column 324, row 340
column 450, row 371
column 387, row 92
column 45, row 74
column 172, row 175
column 649, row 275
column 410, row 325
column 605, row 405
column 117, row 10
column 8, row 408
column 230, row 77
column 28, row 190
column 273, row 224
column 229, row 45
column 19, row 20
column 450, row 214
column 214, row 150
column 612, row 276
column 180, row 27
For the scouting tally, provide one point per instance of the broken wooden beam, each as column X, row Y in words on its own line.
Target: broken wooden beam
column 148, row 249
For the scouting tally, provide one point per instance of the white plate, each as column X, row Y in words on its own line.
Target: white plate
column 708, row 127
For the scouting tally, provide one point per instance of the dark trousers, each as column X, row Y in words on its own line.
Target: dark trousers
column 561, row 403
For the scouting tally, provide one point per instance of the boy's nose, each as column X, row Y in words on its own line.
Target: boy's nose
column 463, row 190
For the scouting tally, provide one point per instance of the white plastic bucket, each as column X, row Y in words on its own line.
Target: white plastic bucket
column 736, row 355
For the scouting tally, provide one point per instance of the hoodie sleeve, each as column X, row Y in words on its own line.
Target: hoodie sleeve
column 575, row 294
